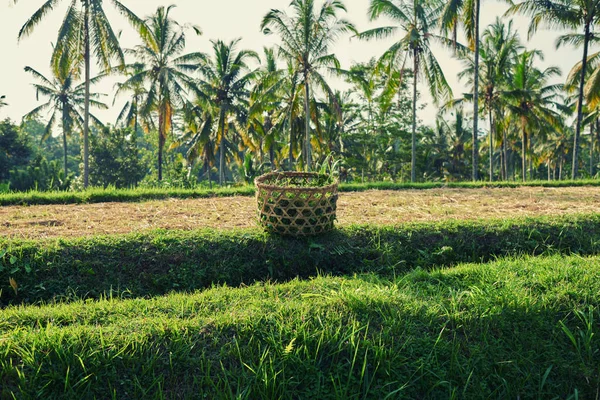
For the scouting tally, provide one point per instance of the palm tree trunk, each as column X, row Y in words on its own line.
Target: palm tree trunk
column 208, row 173
column 261, row 151
column 161, row 124
column 492, row 134
column 524, row 154
column 560, row 168
column 221, row 164
column 86, row 107
column 548, row 165
column 307, row 150
column 413, row 163
column 505, row 155
column 272, row 156
column 501, row 164
column 580, row 105
column 597, row 123
column 531, row 176
column 65, row 154
column 476, row 94
column 513, row 165
column 135, row 120
column 291, row 149
column 64, row 119
column 222, row 148
column 591, row 149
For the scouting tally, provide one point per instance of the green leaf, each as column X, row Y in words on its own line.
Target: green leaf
column 13, row 260
column 316, row 246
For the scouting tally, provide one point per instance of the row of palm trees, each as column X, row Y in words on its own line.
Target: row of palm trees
column 222, row 103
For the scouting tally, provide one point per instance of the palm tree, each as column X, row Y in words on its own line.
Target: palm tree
column 306, row 40
column 532, row 102
column 335, row 129
column 458, row 135
column 162, row 67
column 266, row 116
column 435, row 146
column 370, row 87
column 569, row 14
column 87, row 18
column 591, row 89
column 224, row 83
column 416, row 19
column 377, row 115
column 292, row 109
column 592, row 119
column 199, row 134
column 66, row 102
column 3, row 103
column 554, row 150
column 467, row 13
column 499, row 47
column 130, row 115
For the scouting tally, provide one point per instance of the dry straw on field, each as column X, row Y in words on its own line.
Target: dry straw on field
column 372, row 207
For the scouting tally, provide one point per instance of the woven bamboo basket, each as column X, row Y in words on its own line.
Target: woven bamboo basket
column 295, row 204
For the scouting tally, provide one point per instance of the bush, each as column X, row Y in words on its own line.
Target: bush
column 15, row 149
column 114, row 159
column 40, row 175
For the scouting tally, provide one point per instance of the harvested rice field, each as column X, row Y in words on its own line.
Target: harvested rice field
column 371, row 207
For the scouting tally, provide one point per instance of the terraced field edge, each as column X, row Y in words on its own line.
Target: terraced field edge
column 163, row 261
column 511, row 329
column 99, row 195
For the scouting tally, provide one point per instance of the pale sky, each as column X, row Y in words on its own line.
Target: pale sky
column 219, row 19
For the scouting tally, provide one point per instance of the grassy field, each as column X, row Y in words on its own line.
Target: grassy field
column 522, row 328
column 375, row 207
column 446, row 293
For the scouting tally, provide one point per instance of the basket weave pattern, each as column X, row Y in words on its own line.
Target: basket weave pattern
column 291, row 203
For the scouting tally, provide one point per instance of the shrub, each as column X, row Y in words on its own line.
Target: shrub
column 40, row 175
column 114, row 159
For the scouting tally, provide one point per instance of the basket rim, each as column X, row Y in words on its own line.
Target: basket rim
column 259, row 182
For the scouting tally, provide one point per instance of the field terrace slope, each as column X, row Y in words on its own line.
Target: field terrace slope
column 161, row 261
column 479, row 331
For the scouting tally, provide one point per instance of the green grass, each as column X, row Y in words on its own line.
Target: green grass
column 159, row 262
column 98, row 195
column 359, row 187
column 525, row 328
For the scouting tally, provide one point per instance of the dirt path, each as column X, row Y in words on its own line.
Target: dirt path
column 373, row 207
